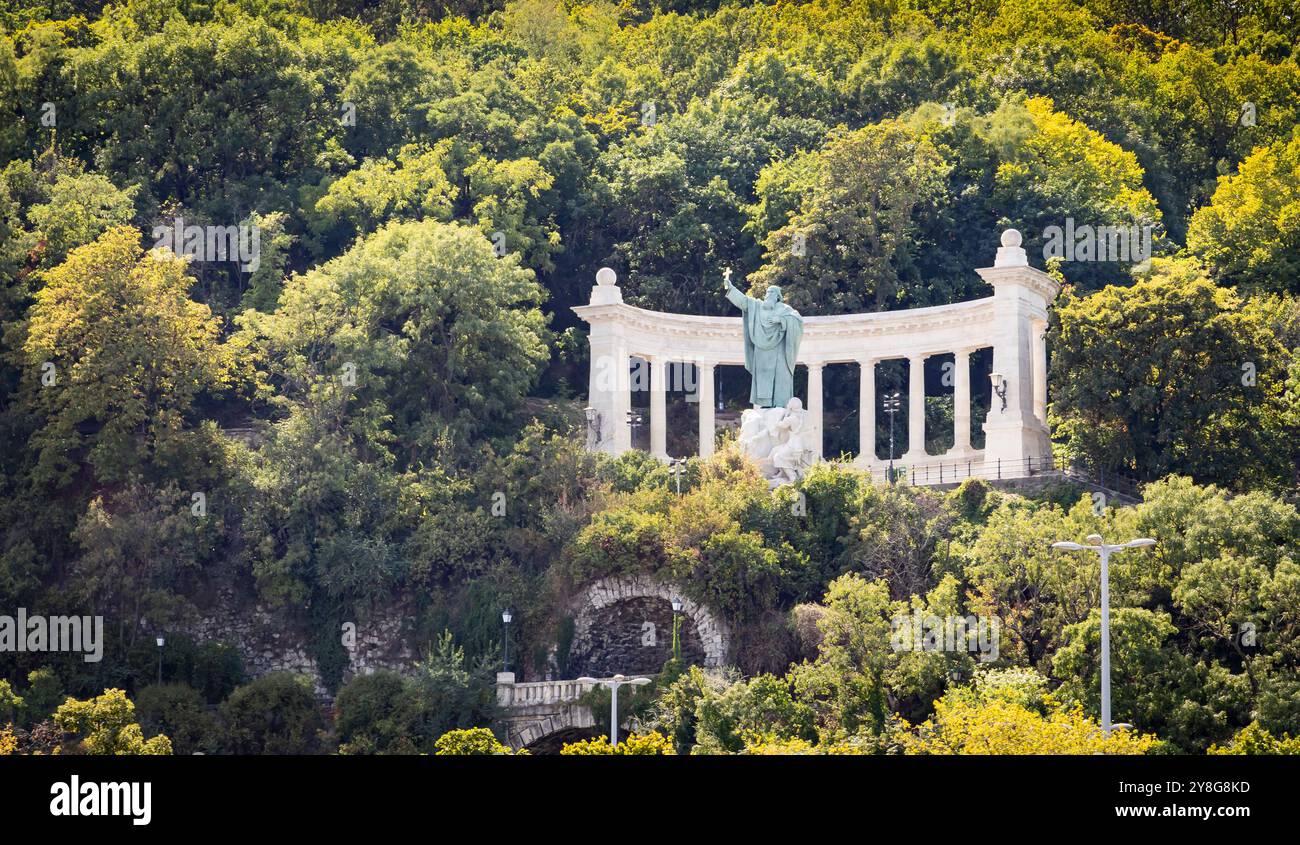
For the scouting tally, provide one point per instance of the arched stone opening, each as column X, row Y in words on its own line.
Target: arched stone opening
column 624, row 625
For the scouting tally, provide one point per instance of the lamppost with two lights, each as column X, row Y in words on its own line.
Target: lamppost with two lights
column 1096, row 544
column 614, row 683
column 891, row 404
column 677, row 466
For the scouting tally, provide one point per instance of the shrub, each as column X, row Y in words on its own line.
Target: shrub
column 275, row 714
column 379, row 713
column 472, row 741
column 218, row 669
column 1001, row 726
column 453, row 695
column 178, row 711
column 11, row 704
column 653, row 743
column 106, row 725
column 1254, row 739
column 44, row 694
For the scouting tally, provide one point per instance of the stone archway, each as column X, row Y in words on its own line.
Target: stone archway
column 624, row 624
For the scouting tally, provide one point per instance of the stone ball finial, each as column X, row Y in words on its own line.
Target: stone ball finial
column 606, row 277
column 1011, row 238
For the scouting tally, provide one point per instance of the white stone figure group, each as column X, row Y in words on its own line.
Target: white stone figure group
column 779, row 440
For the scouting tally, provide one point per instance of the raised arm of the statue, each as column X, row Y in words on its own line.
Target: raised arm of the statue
column 734, row 295
column 737, row 298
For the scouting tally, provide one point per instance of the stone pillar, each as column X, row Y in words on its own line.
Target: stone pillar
column 505, row 688
column 815, row 404
column 704, row 394
column 915, row 409
column 607, row 386
column 961, row 401
column 658, row 407
column 621, row 405
column 867, row 412
column 1021, row 296
column 1040, row 370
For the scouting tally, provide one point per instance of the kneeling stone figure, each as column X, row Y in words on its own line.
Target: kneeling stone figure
column 779, row 441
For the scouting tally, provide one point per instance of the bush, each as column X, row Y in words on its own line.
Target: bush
column 380, row 713
column 106, row 725
column 453, row 694
column 653, row 743
column 275, row 714
column 44, row 694
column 474, row 741
column 1254, row 739
column 11, row 704
column 178, row 711
column 218, row 670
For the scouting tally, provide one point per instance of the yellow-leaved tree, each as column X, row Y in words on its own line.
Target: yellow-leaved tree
column 116, row 353
column 1002, row 726
column 652, row 744
column 106, row 725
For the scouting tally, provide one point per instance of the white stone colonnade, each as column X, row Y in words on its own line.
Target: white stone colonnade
column 1012, row 322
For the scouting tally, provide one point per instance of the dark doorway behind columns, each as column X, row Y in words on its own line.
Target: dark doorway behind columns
column 940, row 381
column 981, row 391
column 638, row 385
column 840, row 436
column 732, row 393
column 683, row 410
column 891, row 377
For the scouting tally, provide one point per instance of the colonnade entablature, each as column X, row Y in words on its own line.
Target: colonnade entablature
column 1011, row 322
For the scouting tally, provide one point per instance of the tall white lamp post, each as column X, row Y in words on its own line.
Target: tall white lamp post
column 1096, row 544
column 614, row 683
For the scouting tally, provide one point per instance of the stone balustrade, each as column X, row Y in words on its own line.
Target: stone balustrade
column 535, row 693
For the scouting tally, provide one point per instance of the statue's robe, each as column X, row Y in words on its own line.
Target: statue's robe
column 772, row 332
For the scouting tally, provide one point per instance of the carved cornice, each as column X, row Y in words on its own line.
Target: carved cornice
column 1028, row 277
column 848, row 326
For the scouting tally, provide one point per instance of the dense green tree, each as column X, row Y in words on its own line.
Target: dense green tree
column 419, row 320
column 1169, row 375
column 851, row 246
column 115, row 353
column 179, row 712
column 1249, row 233
column 275, row 714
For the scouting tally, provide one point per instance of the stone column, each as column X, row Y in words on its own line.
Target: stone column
column 915, row 409
column 867, row 412
column 815, row 404
column 608, row 390
column 621, row 403
column 1040, row 370
column 961, row 401
column 704, row 393
column 658, row 407
column 607, row 387
column 1021, row 297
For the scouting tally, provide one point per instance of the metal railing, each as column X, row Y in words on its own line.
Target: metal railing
column 957, row 471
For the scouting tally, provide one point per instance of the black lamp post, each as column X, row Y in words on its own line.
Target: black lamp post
column 892, row 404
column 506, row 616
column 677, row 625
column 161, row 642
